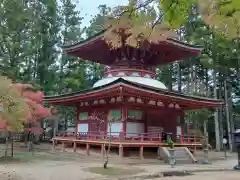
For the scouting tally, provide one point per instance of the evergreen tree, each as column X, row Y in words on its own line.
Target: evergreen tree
column 15, row 23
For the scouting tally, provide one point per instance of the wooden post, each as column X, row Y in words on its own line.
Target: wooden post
column 87, row 149
column 53, row 145
column 159, row 152
column 77, row 119
column 124, row 112
column 120, row 151
column 195, row 148
column 63, row 146
column 74, row 146
column 141, row 152
column 102, row 151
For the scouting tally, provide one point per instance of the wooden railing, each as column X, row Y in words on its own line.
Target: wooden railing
column 116, row 136
column 93, row 135
column 121, row 136
column 190, row 139
column 19, row 137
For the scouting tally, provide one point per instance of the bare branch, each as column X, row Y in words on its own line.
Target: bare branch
column 135, row 9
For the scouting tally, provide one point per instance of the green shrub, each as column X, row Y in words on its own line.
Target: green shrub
column 170, row 143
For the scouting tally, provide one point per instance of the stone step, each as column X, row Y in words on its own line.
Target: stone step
column 182, row 154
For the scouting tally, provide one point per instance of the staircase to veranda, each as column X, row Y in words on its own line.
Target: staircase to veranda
column 182, row 155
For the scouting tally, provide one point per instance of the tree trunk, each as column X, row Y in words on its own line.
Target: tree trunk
column 170, row 77
column 56, row 122
column 109, row 147
column 221, row 126
column 205, row 127
column 216, row 117
column 66, row 123
column 205, row 121
column 179, row 77
column 221, row 120
column 30, row 142
column 11, row 139
column 230, row 109
column 6, row 146
column 228, row 117
column 191, row 79
column 25, row 138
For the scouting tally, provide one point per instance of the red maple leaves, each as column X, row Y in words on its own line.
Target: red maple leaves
column 36, row 112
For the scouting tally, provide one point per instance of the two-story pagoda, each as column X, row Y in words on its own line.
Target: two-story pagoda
column 142, row 106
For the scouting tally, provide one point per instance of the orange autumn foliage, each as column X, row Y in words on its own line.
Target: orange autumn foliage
column 37, row 110
column 34, row 111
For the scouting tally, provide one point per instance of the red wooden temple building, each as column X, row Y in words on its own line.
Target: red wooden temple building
column 141, row 107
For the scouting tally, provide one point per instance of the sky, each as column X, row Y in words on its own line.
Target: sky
column 89, row 8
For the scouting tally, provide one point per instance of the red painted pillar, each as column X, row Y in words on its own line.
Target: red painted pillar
column 120, row 149
column 102, row 150
column 145, row 121
column 53, row 145
column 170, row 124
column 87, row 149
column 124, row 117
column 182, row 121
column 106, row 124
column 74, row 146
column 77, row 119
column 63, row 146
column 141, row 152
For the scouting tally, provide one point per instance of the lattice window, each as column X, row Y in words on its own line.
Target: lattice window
column 83, row 116
column 116, row 114
column 147, row 76
column 135, row 114
column 135, row 74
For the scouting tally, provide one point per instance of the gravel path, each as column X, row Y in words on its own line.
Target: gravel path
column 72, row 166
column 207, row 176
column 58, row 170
column 45, row 171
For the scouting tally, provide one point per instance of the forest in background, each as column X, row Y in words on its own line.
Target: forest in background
column 31, row 33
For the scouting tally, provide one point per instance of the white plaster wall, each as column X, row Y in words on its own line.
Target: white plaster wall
column 115, row 128
column 179, row 130
column 83, row 128
column 134, row 129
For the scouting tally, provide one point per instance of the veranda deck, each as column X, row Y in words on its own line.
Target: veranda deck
column 122, row 145
column 125, row 143
column 123, row 139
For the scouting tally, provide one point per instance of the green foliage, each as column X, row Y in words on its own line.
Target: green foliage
column 197, row 118
column 200, row 115
column 15, row 18
column 222, row 16
column 98, row 21
column 170, row 143
column 151, row 20
column 176, row 12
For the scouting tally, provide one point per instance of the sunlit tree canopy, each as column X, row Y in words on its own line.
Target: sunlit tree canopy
column 222, row 15
column 137, row 24
column 144, row 21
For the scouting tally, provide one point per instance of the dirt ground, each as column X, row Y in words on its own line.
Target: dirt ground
column 46, row 165
column 207, row 176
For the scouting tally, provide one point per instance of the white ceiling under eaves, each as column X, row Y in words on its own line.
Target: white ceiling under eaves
column 140, row 80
